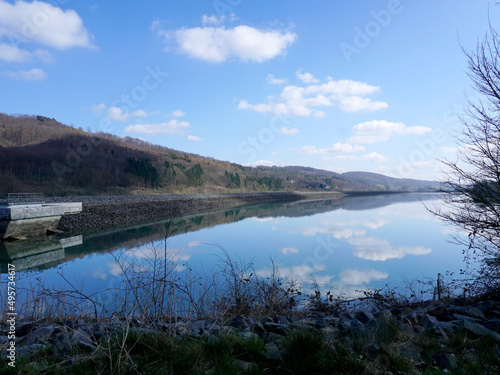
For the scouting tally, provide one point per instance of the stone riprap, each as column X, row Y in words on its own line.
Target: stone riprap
column 437, row 321
column 103, row 212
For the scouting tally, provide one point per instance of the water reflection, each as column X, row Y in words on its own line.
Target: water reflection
column 348, row 244
column 35, row 252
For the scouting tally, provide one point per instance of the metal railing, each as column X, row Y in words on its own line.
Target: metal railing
column 12, row 199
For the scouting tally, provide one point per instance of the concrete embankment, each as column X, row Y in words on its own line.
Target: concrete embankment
column 103, row 212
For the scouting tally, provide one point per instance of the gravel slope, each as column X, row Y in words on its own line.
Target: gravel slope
column 103, row 212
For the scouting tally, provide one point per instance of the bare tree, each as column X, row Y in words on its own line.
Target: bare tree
column 473, row 204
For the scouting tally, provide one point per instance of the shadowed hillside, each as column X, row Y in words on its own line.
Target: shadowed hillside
column 39, row 154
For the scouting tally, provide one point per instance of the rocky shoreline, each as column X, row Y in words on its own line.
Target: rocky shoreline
column 438, row 322
column 104, row 212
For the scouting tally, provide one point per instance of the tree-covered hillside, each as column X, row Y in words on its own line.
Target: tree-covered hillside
column 39, row 154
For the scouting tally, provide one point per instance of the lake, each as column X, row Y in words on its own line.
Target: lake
column 345, row 245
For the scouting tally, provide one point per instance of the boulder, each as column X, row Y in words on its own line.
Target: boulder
column 39, row 336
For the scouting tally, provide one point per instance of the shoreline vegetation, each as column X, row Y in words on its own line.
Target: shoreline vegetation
column 164, row 317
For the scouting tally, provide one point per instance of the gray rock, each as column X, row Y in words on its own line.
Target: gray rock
column 39, row 336
column 4, row 339
column 81, row 338
column 493, row 324
column 412, row 318
column 485, row 306
column 384, row 314
column 479, row 330
column 332, row 321
column 29, row 350
column 410, row 351
column 275, row 328
column 448, row 327
column 464, row 318
column 320, row 323
column 197, row 326
column 438, row 311
column 239, row 322
column 470, row 311
column 272, row 351
column 428, row 321
column 271, row 337
column 22, row 329
column 257, row 326
column 344, row 325
column 364, row 316
column 446, row 361
column 61, row 343
column 439, row 333
column 214, row 329
column 307, row 322
column 283, row 320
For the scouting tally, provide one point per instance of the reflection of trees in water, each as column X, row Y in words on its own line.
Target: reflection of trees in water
column 137, row 236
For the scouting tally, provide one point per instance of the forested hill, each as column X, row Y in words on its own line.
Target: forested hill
column 39, row 154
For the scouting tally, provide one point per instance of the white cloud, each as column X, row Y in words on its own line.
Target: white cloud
column 117, row 114
column 98, row 108
column 44, row 56
column 335, row 148
column 218, row 44
column 172, row 127
column 374, row 157
column 288, row 131
column 265, row 163
column 377, row 249
column 358, row 277
column 178, row 113
column 216, row 20
column 212, row 20
column 12, row 53
column 377, row 131
column 42, row 23
column 289, row 250
column 358, row 103
column 194, row 138
column 306, row 101
column 306, row 77
column 275, row 81
column 35, row 74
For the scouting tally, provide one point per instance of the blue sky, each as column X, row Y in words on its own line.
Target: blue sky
column 343, row 86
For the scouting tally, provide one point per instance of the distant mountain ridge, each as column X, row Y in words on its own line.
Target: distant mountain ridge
column 40, row 154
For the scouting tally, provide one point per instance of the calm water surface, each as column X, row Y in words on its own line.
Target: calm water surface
column 347, row 245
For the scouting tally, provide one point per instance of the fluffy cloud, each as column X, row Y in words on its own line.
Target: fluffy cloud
column 306, row 77
column 216, row 20
column 305, row 100
column 358, row 103
column 194, row 138
column 358, row 277
column 275, row 81
column 40, row 23
column 377, row 249
column 12, row 53
column 335, row 148
column 377, row 131
column 115, row 113
column 288, row 131
column 218, row 44
column 289, row 250
column 178, row 113
column 34, row 74
column 172, row 127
